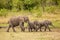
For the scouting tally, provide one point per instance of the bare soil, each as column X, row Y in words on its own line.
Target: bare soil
column 18, row 35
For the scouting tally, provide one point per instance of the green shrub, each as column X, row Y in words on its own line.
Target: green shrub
column 50, row 9
column 3, row 12
column 37, row 11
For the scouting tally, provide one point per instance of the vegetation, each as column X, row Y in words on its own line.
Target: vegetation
column 50, row 6
column 36, row 10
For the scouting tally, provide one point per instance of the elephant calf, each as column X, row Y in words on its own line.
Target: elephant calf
column 45, row 24
column 31, row 26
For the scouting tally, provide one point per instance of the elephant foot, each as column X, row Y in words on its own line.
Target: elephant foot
column 40, row 30
column 7, row 31
column 22, row 31
column 50, row 31
column 14, row 31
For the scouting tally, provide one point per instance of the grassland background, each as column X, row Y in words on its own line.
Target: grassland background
column 18, row 35
column 36, row 10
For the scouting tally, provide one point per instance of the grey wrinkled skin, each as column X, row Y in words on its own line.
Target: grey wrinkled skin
column 31, row 26
column 44, row 23
column 15, row 21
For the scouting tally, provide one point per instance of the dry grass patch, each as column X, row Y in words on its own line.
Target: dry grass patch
column 30, row 36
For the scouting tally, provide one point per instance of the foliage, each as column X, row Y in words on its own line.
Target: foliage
column 3, row 12
column 18, row 5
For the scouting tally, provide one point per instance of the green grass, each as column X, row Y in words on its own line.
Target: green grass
column 3, row 24
column 57, row 24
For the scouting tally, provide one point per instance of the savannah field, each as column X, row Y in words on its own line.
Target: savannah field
column 18, row 35
column 36, row 10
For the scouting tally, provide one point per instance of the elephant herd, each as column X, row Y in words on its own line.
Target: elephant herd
column 32, row 26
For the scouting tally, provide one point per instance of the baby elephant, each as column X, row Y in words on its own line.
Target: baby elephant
column 45, row 24
column 31, row 26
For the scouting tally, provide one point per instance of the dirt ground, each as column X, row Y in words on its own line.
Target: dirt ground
column 18, row 35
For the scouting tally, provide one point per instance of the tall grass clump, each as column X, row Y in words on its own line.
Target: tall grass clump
column 3, row 12
column 50, row 9
column 37, row 12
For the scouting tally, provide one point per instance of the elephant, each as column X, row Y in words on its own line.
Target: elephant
column 44, row 23
column 31, row 26
column 17, row 21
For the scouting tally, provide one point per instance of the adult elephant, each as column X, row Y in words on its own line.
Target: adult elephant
column 15, row 21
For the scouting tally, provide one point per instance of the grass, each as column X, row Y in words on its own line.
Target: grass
column 18, row 35
column 28, row 35
column 52, row 17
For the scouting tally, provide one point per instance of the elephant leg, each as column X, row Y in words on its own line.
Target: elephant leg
column 8, row 28
column 13, row 29
column 36, row 29
column 23, row 29
column 23, row 23
column 40, row 29
column 45, row 27
column 22, row 26
column 31, row 30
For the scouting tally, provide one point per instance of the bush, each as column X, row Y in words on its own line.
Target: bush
column 50, row 9
column 3, row 12
column 37, row 12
